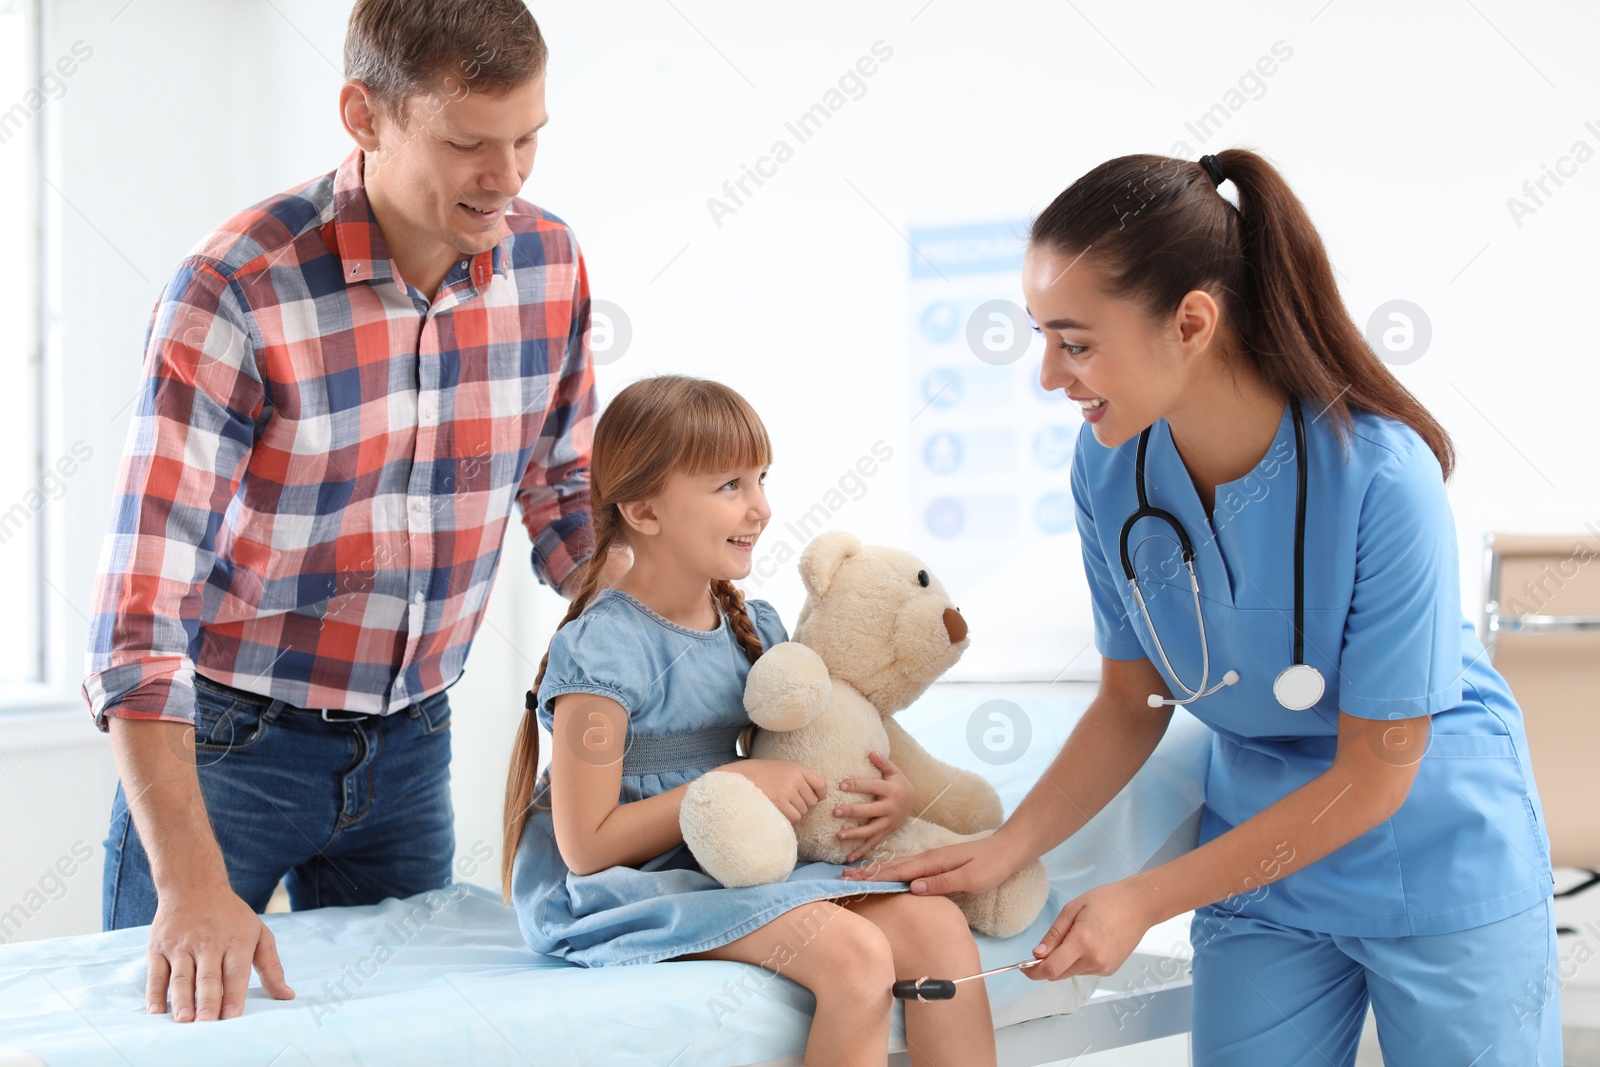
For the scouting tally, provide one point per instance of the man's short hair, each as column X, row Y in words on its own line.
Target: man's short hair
column 405, row 48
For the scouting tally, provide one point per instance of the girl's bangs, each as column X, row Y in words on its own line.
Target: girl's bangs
column 722, row 434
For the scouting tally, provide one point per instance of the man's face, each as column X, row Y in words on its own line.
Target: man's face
column 450, row 168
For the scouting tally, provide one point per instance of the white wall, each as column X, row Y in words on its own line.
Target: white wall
column 1404, row 129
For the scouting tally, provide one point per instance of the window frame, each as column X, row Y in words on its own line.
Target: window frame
column 47, row 688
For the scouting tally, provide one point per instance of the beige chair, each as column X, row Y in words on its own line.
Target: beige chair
column 1541, row 626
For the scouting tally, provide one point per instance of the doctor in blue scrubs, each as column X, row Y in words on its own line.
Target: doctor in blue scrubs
column 1371, row 831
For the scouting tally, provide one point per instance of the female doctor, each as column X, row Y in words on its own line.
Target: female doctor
column 1268, row 543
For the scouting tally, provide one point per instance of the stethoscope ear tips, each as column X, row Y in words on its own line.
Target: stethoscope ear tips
column 1155, row 700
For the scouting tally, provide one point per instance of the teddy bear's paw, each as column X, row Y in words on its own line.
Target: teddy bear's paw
column 1011, row 907
column 736, row 834
column 787, row 687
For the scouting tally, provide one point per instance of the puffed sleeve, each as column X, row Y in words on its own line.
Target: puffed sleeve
column 769, row 627
column 594, row 654
column 1114, row 637
column 1401, row 655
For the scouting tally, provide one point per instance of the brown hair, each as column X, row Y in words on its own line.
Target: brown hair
column 656, row 427
column 1156, row 228
column 399, row 47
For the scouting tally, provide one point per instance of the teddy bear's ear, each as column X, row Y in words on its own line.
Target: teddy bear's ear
column 822, row 558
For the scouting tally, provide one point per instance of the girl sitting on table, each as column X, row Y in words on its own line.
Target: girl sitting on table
column 642, row 692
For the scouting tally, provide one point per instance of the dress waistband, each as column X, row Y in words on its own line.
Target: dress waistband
column 710, row 747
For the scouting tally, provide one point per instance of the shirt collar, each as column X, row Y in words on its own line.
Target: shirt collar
column 353, row 234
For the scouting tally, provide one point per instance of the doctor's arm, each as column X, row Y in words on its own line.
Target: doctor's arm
column 1372, row 771
column 1113, row 739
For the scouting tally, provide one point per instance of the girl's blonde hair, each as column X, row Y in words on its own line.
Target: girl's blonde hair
column 653, row 429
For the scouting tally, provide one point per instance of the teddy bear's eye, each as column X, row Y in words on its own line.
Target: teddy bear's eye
column 922, row 579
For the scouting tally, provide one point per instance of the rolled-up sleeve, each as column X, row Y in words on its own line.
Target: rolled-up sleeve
column 554, row 492
column 187, row 448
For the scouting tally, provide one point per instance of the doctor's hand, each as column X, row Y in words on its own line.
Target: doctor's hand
column 968, row 867
column 202, row 946
column 1094, row 934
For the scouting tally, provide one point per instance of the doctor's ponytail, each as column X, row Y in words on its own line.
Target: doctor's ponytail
column 1157, row 228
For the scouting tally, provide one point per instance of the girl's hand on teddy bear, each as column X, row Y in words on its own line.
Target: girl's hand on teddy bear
column 896, row 799
column 793, row 789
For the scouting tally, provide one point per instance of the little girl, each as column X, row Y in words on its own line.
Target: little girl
column 642, row 692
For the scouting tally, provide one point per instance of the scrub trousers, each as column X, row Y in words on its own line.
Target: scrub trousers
column 1266, row 994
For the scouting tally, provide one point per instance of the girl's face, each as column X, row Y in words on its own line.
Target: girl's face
column 1103, row 352
column 708, row 524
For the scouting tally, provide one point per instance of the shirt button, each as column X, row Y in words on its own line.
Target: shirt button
column 419, row 599
column 416, row 506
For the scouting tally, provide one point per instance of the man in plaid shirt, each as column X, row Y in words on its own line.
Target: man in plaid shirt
column 347, row 389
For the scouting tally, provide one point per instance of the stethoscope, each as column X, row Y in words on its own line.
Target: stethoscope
column 1299, row 685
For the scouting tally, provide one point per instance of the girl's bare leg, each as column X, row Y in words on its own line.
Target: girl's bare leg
column 929, row 936
column 845, row 960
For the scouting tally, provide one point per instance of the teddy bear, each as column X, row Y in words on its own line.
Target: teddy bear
column 877, row 628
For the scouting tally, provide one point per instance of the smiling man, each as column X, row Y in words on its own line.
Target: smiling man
column 347, row 389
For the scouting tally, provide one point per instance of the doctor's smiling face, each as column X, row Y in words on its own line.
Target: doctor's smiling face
column 1124, row 368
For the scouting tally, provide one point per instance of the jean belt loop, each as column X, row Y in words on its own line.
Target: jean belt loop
column 269, row 706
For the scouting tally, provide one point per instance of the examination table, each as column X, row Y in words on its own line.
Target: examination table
column 444, row 977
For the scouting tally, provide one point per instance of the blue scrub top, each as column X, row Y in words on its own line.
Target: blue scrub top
column 1384, row 624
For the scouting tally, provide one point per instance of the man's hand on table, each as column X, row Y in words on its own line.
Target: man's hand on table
column 203, row 943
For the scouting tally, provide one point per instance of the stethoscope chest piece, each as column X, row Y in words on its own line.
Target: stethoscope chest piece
column 1298, row 687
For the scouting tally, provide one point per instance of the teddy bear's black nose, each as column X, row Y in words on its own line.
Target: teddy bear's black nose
column 954, row 625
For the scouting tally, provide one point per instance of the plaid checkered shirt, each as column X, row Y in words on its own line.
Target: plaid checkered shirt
column 322, row 462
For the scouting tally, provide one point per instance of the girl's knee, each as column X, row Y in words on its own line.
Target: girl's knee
column 809, row 943
column 848, row 946
column 942, row 911
column 934, row 933
column 932, row 912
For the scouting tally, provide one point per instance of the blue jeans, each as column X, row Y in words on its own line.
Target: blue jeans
column 351, row 812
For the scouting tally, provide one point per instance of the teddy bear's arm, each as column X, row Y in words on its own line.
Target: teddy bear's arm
column 958, row 799
column 787, row 687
